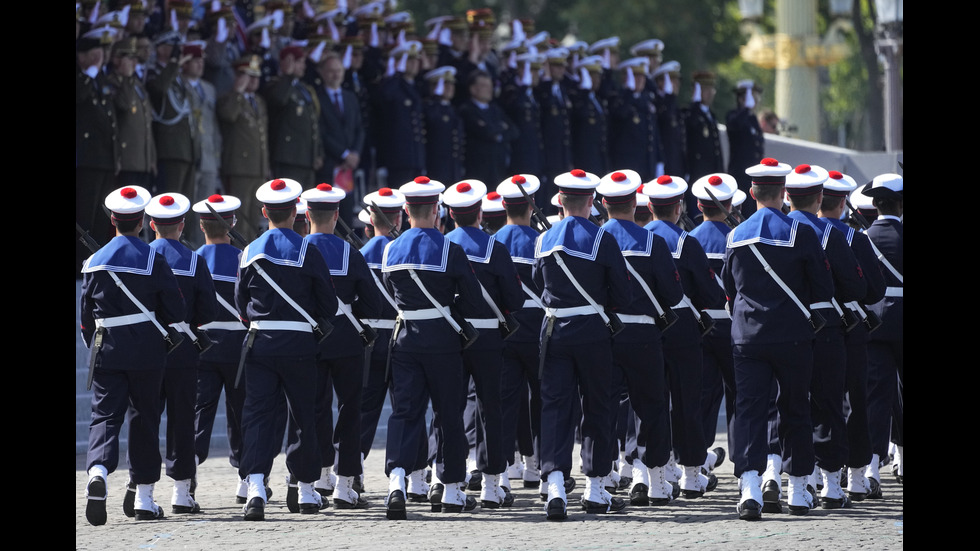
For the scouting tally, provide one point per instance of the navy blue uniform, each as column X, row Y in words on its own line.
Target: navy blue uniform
column 556, row 136
column 444, row 142
column 489, row 133
column 589, row 125
column 522, row 107
column 746, row 147
column 579, row 354
column 673, row 134
column 703, row 147
column 401, row 142
column 634, row 137
column 130, row 363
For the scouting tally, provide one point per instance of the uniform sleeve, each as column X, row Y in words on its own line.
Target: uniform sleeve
column 617, row 276
column 705, row 291
column 666, row 279
column 368, row 302
column 870, row 268
column 849, row 283
column 170, row 306
column 508, row 282
column 205, row 303
column 324, row 294
column 820, row 278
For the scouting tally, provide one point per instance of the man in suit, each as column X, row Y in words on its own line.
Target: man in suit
column 244, row 152
column 340, row 126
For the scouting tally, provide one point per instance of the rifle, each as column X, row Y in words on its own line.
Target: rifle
column 535, row 211
column 857, row 216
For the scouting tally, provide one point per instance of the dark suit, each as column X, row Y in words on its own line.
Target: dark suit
column 339, row 131
column 444, row 142
column 522, row 108
column 401, row 144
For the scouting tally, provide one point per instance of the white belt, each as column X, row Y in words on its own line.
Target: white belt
column 894, row 291
column 718, row 314
column 531, row 304
column 821, row 305
column 118, row 321
column 570, row 312
column 637, row 318
column 266, row 325
column 417, row 315
column 224, row 326
column 379, row 323
column 484, row 323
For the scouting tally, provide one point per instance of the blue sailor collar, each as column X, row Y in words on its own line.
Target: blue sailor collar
column 820, row 227
column 122, row 254
column 519, row 241
column 417, row 249
column 767, row 226
column 633, row 240
column 182, row 260
column 672, row 234
column 374, row 250
column 574, row 235
column 839, row 224
column 279, row 246
column 713, row 237
column 222, row 261
column 477, row 245
column 335, row 251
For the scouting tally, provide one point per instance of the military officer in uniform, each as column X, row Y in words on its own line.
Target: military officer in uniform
column 280, row 350
column 401, row 145
column 772, row 337
column 444, row 136
column 670, row 123
column 634, row 138
column 701, row 128
column 128, row 297
column 556, row 135
column 638, row 350
column 578, row 356
column 589, row 118
column 521, row 106
column 489, row 131
column 134, row 115
column 295, row 149
column 166, row 214
column 746, row 142
column 426, row 275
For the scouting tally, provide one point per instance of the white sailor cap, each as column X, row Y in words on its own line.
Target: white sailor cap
column 365, row 217
column 805, row 180
column 465, row 195
column 556, row 202
column 224, row 205
column 654, row 46
column 642, row 201
column 387, row 199
column 838, row 184
column 599, row 46
column 672, row 67
column 665, row 190
column 281, row 192
column 446, row 73
column 769, row 171
column 168, row 208
column 511, row 194
column 739, row 198
column 638, row 64
column 323, row 197
column 592, row 63
column 886, row 186
column 493, row 203
column 422, row 191
column 577, row 182
column 127, row 203
column 412, row 48
column 619, row 186
column 722, row 186
column 862, row 201
column 301, row 206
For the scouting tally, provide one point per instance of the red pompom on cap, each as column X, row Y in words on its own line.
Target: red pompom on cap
column 216, row 199
column 324, row 187
column 618, row 176
column 640, row 189
column 385, row 192
column 421, row 180
column 493, row 196
column 128, row 193
column 802, row 169
column 664, row 180
column 518, row 179
column 166, row 200
column 715, row 180
column 769, row 161
column 834, row 175
column 578, row 173
column 278, row 185
column 463, row 187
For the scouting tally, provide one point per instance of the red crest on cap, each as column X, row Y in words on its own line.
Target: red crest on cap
column 216, row 199
column 493, row 196
column 618, row 176
column 463, row 187
column 664, row 180
column 324, row 187
column 640, row 189
column 128, row 192
column 385, row 192
column 769, row 161
column 802, row 169
column 518, row 179
column 715, row 180
column 835, row 175
column 421, row 180
column 166, row 200
column 578, row 173
column 278, row 185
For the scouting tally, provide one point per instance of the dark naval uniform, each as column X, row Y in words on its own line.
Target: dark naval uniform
column 282, row 359
column 176, row 133
column 703, row 147
column 670, row 124
column 634, row 138
column 294, row 132
column 401, row 142
column 556, row 135
column 489, row 133
column 589, row 126
column 526, row 151
column 97, row 155
column 746, row 147
column 444, row 141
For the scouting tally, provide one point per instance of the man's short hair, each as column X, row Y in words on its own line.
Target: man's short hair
column 466, row 218
column 516, row 210
column 801, row 202
column 278, row 216
column 127, row 226
column 830, row 202
column 768, row 192
column 213, row 229
column 887, row 206
column 419, row 211
column 320, row 217
column 621, row 209
column 575, row 202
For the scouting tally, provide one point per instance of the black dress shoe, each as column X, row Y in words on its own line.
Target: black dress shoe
column 357, row 485
column 556, row 509
column 186, row 509
column 476, row 481
column 617, row 504
column 150, row 514
column 532, row 483
column 435, row 497
column 268, row 493
column 638, row 494
column 395, row 509
column 770, row 497
column 675, row 490
column 594, row 507
column 508, row 498
column 310, row 508
column 712, row 482
column 624, row 482
column 875, row 492
column 255, row 510
column 324, row 496
column 750, row 510
column 418, row 498
column 569, row 485
column 720, row 454
column 95, row 506
column 129, row 500
column 832, row 503
column 292, row 495
column 361, row 503
column 469, row 505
